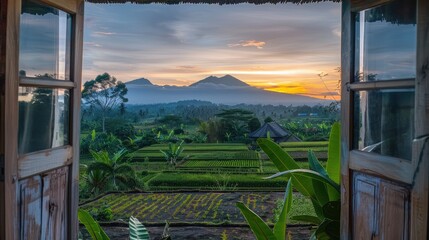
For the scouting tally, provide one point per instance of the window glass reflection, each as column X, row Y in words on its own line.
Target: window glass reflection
column 43, row 118
column 385, row 42
column 384, row 122
column 44, row 42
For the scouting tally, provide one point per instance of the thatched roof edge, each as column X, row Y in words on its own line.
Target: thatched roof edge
column 220, row 2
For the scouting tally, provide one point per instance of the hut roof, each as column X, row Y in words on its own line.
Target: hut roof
column 276, row 131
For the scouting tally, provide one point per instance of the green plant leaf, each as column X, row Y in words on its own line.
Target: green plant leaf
column 307, row 218
column 315, row 165
column 308, row 174
column 93, row 135
column 334, row 153
column 320, row 188
column 137, row 230
column 317, row 208
column 280, row 158
column 259, row 228
column 332, row 210
column 91, row 225
column 285, row 162
column 328, row 230
column 280, row 225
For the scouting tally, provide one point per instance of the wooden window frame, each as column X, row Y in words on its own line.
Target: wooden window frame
column 380, row 165
column 17, row 167
column 49, row 159
column 416, row 171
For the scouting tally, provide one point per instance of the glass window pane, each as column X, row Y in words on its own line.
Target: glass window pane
column 43, row 118
column 385, row 42
column 45, row 34
column 384, row 122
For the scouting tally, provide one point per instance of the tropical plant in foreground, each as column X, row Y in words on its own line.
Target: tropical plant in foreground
column 136, row 228
column 173, row 153
column 260, row 229
column 319, row 184
column 116, row 170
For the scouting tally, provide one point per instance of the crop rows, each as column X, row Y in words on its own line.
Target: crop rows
column 214, row 207
column 173, row 180
column 221, row 164
column 211, row 152
column 305, row 149
column 304, row 144
column 201, row 147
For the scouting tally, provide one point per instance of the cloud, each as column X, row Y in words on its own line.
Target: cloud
column 104, row 33
column 91, row 44
column 248, row 43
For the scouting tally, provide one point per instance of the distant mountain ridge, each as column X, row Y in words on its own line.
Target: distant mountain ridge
column 226, row 80
column 219, row 90
column 140, row 81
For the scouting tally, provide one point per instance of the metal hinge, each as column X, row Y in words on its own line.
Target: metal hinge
column 2, row 167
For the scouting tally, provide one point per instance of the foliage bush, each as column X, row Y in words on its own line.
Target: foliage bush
column 100, row 142
column 103, row 213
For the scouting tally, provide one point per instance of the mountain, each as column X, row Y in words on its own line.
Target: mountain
column 219, row 90
column 226, row 80
column 139, row 81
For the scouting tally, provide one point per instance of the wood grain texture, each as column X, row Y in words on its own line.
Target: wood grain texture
column 394, row 204
column 35, row 82
column 29, row 205
column 3, row 12
column 65, row 5
column 380, row 208
column 11, row 122
column 54, row 204
column 42, row 205
column 73, row 196
column 382, row 84
column 359, row 5
column 39, row 162
column 383, row 166
column 419, row 195
column 346, row 76
column 365, row 207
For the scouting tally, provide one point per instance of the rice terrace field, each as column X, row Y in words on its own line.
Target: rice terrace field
column 204, row 188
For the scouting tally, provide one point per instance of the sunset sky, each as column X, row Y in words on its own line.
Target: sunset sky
column 282, row 47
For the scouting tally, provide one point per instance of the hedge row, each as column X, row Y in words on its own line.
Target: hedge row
column 205, row 181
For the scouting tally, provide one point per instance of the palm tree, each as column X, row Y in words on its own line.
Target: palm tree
column 96, row 181
column 116, row 170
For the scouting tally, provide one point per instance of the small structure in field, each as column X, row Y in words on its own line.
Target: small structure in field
column 275, row 132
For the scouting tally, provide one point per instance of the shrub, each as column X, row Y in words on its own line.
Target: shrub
column 103, row 213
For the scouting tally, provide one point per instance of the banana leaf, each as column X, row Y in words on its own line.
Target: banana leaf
column 280, row 225
column 137, row 230
column 91, row 225
column 284, row 162
column 259, row 228
column 334, row 153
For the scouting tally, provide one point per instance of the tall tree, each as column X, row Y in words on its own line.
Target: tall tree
column 104, row 93
column 235, row 121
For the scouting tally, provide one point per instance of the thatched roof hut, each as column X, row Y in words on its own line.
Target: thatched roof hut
column 275, row 132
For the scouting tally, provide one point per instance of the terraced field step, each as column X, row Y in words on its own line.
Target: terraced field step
column 215, row 181
column 200, row 147
column 221, row 164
